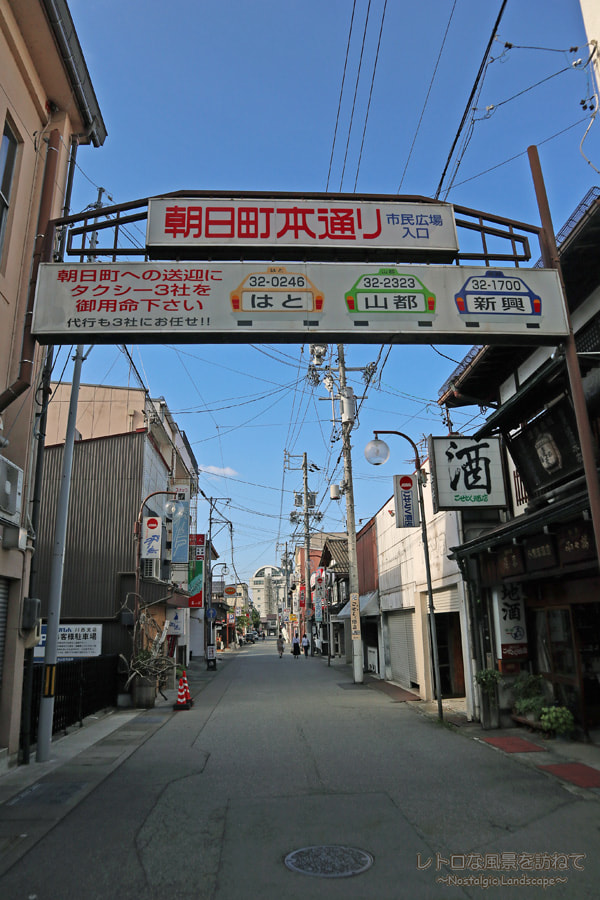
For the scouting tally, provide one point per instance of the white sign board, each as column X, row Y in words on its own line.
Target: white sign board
column 151, row 537
column 259, row 226
column 242, row 302
column 74, row 641
column 510, row 625
column 466, row 473
column 406, row 501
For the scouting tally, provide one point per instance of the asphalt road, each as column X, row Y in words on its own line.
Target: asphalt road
column 280, row 755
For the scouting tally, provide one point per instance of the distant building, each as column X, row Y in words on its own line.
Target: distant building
column 268, row 590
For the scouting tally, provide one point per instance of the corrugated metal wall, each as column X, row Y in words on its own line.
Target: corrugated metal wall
column 104, row 504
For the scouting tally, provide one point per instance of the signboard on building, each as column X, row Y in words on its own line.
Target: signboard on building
column 465, row 473
column 509, row 622
column 355, row 616
column 406, row 501
column 181, row 532
column 238, row 302
column 151, row 537
column 74, row 642
column 274, row 227
column 196, row 570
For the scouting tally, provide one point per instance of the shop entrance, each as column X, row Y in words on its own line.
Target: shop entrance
column 569, row 658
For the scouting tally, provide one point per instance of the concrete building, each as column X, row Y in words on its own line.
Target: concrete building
column 128, row 454
column 47, row 109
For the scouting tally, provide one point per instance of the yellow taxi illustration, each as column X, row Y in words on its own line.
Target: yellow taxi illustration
column 277, row 291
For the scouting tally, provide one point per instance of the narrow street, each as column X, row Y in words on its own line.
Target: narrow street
column 277, row 755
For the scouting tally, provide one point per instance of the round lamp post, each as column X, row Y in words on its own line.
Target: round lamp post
column 377, row 452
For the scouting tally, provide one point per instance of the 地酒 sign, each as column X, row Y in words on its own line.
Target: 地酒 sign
column 317, row 227
column 243, row 302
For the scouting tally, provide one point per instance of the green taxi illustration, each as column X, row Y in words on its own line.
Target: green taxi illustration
column 390, row 291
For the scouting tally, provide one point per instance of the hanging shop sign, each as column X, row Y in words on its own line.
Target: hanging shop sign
column 240, row 302
column 151, row 537
column 466, row 473
column 406, row 501
column 196, row 570
column 292, row 228
column 509, row 622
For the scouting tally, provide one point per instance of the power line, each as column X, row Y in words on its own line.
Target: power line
column 472, row 94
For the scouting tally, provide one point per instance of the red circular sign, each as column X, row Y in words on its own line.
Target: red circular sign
column 151, row 523
column 406, row 483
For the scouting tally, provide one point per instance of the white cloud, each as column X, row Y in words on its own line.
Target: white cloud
column 226, row 472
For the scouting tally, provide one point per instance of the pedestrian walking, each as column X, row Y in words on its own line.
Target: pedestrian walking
column 305, row 645
column 296, row 646
column 280, row 645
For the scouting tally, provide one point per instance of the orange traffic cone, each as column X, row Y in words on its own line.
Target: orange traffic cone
column 182, row 700
column 187, row 688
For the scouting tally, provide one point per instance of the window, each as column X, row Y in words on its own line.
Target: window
column 8, row 156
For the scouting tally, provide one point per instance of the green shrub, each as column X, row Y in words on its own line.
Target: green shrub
column 558, row 719
column 488, row 679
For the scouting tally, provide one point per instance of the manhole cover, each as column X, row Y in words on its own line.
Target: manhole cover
column 329, row 861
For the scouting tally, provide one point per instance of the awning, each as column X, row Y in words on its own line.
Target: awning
column 561, row 511
column 369, row 606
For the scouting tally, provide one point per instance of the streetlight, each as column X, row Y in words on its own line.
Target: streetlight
column 138, row 559
column 210, row 595
column 378, row 452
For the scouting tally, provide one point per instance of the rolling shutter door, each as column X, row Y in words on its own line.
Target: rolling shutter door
column 3, row 618
column 446, row 601
column 402, row 647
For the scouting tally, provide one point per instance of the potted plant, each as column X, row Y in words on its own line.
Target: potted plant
column 488, row 681
column 557, row 719
column 528, row 696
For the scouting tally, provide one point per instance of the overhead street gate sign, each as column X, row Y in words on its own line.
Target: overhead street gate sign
column 316, row 228
column 234, row 302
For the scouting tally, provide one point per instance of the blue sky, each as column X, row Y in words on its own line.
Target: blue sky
column 231, row 95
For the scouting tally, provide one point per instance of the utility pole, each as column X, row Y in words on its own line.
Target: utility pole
column 347, row 422
column 306, row 541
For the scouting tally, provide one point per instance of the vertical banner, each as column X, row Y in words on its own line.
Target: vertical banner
column 181, row 532
column 151, row 532
column 355, row 616
column 196, row 571
column 406, row 501
column 509, row 622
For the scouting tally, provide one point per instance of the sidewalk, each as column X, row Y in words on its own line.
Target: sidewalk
column 575, row 763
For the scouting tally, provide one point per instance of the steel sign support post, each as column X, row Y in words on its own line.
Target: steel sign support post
column 551, row 260
column 375, row 460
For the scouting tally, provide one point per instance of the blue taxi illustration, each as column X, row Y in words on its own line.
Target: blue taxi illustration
column 496, row 294
column 277, row 291
column 390, row 291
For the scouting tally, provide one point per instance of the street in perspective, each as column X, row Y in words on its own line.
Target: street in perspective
column 284, row 778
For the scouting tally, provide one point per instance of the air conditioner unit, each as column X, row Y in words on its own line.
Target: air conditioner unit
column 11, row 492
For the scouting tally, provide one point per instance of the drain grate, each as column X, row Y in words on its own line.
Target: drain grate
column 329, row 861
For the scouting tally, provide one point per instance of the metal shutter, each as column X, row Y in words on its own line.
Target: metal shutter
column 3, row 617
column 446, row 601
column 402, row 647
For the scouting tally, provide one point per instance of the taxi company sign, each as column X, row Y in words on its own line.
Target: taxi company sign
column 406, row 501
column 256, row 225
column 243, row 302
